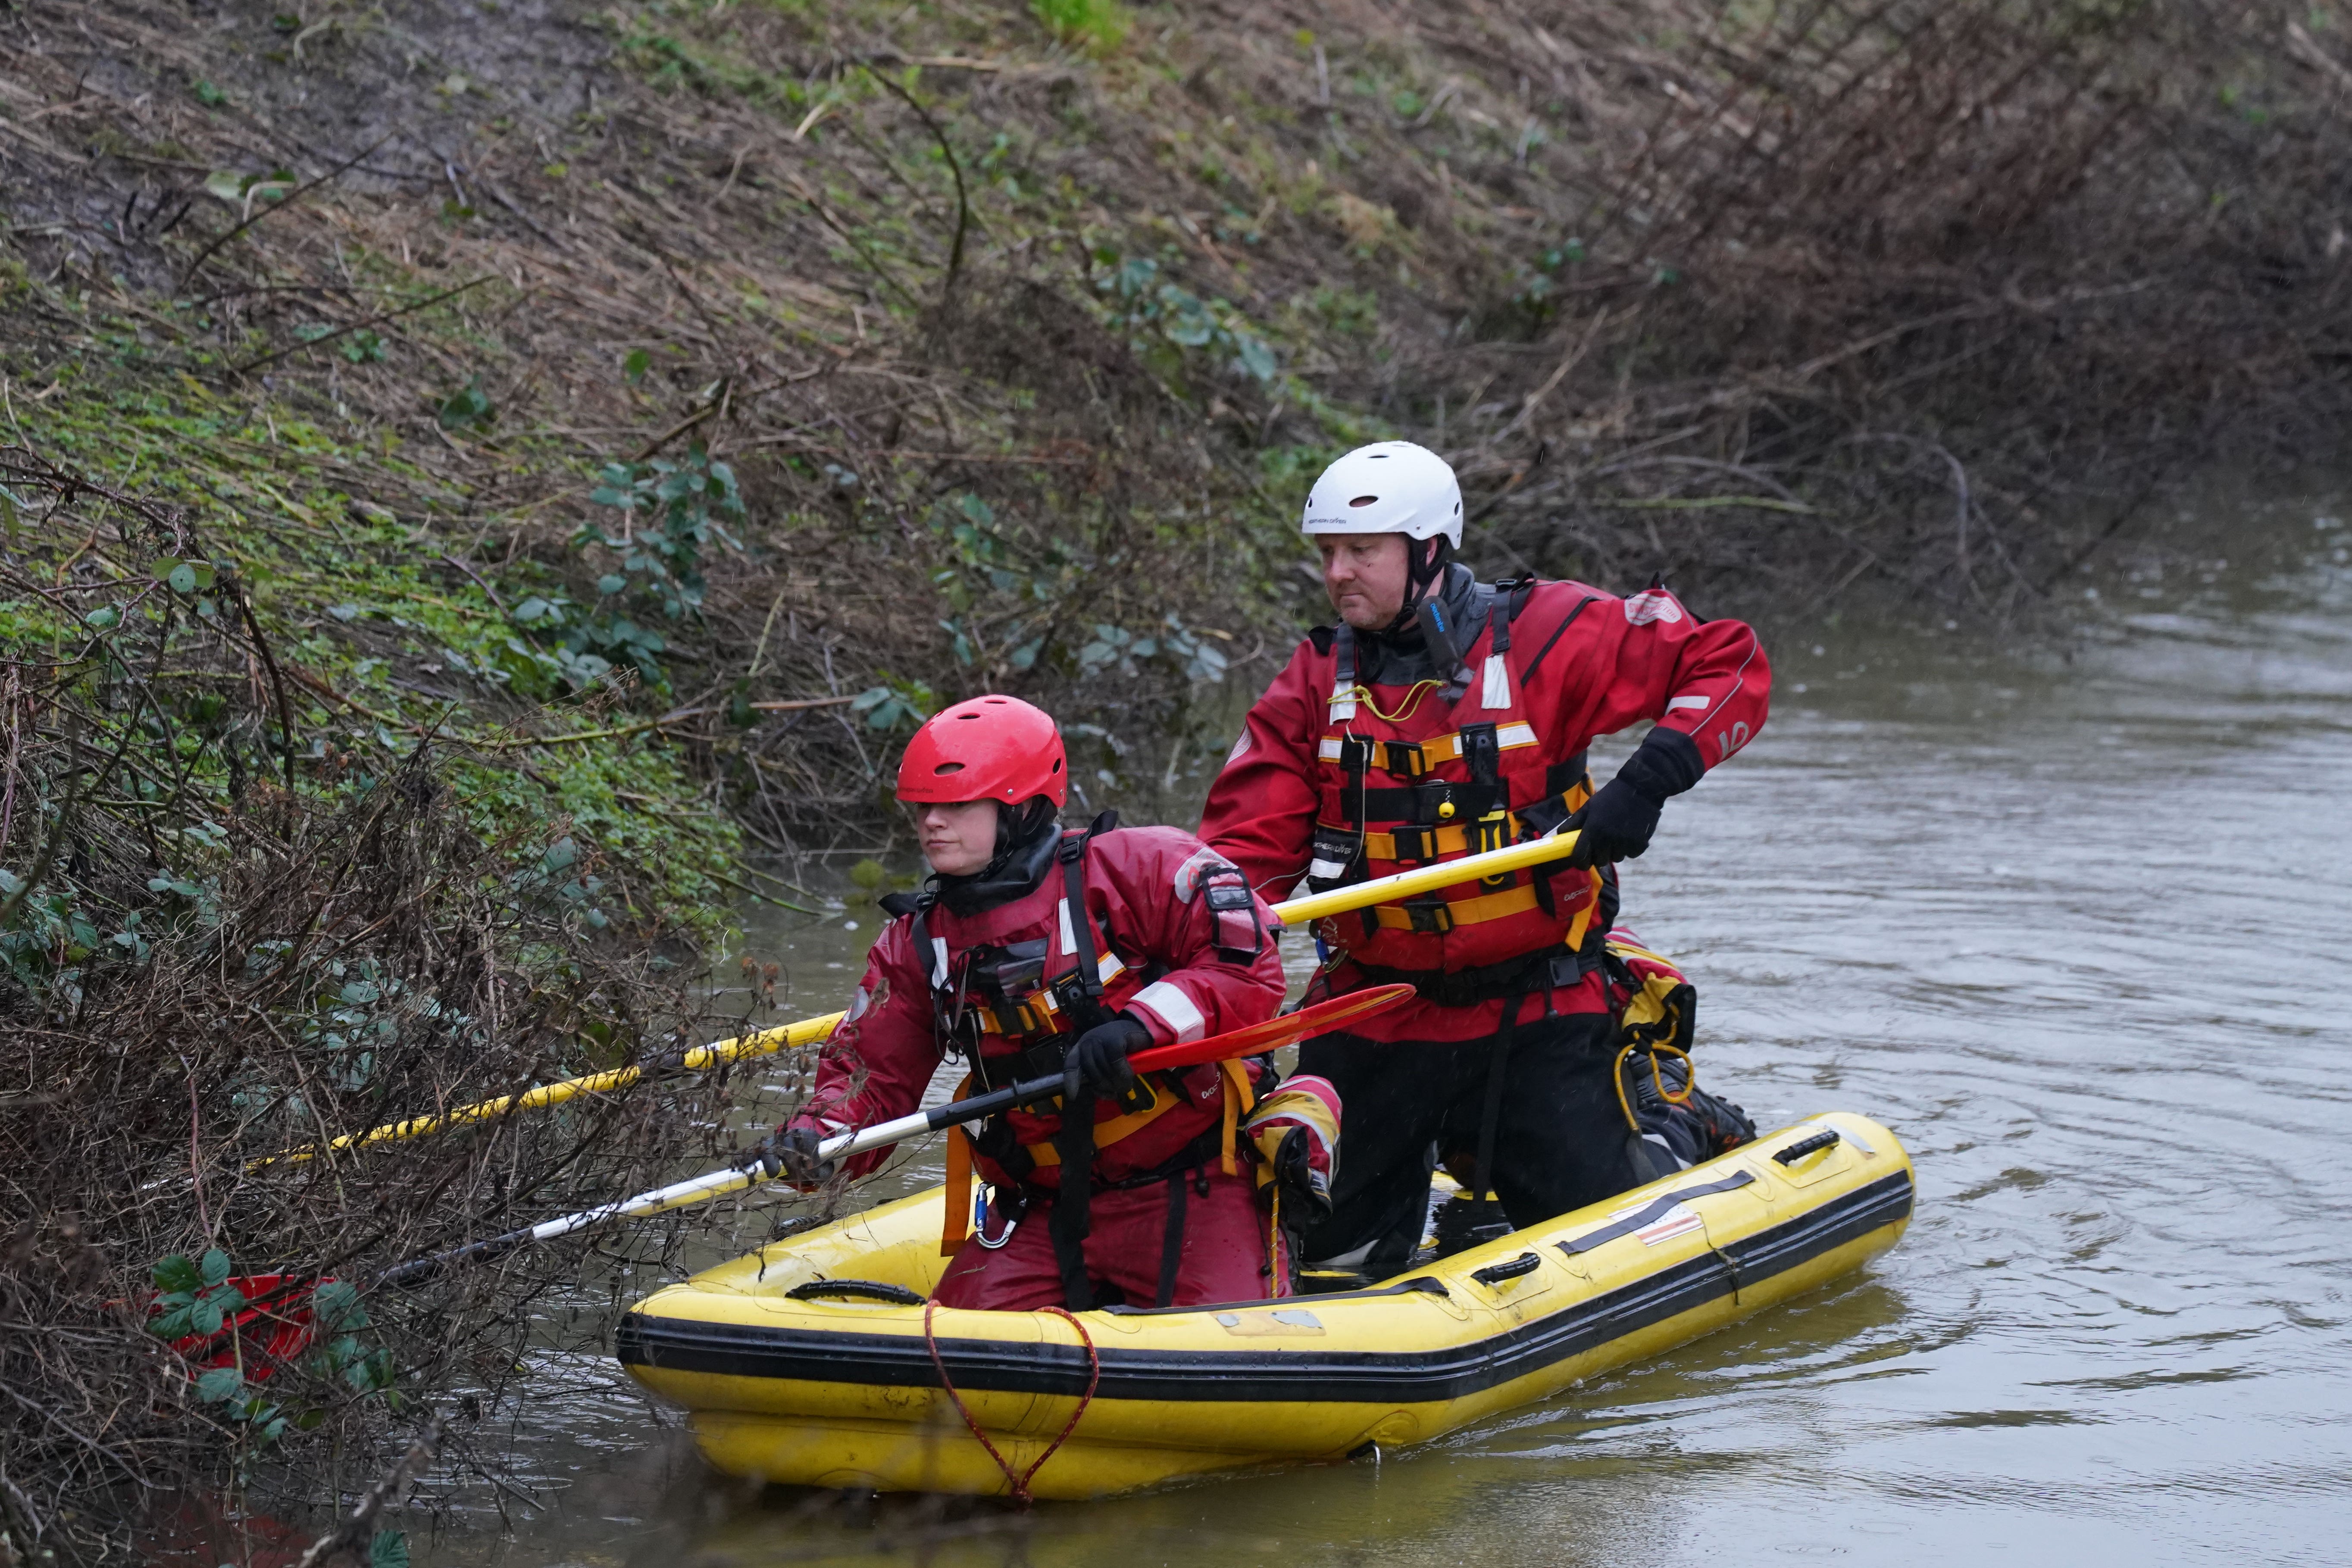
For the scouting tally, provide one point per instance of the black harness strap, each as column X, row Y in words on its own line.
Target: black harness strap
column 1566, row 621
column 1073, row 1140
column 1490, row 1115
column 1171, row 1240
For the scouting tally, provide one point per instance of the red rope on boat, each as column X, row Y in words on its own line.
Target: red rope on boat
column 1094, row 1380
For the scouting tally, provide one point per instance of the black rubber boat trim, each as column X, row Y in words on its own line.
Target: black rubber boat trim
column 1655, row 1209
column 1293, row 1373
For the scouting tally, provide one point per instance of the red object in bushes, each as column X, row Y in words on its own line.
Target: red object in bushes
column 266, row 1335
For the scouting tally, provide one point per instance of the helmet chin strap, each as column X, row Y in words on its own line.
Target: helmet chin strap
column 1026, row 837
column 1425, row 564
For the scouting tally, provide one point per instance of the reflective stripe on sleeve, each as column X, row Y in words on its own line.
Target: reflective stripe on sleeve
column 1173, row 1008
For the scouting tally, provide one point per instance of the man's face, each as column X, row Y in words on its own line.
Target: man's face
column 959, row 837
column 1366, row 575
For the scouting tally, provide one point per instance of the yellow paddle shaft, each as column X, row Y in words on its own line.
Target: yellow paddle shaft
column 766, row 1043
column 1294, row 913
column 1425, row 878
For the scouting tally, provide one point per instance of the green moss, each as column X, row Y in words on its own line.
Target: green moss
column 359, row 598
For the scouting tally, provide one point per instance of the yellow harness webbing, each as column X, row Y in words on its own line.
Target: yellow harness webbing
column 957, row 1223
column 1110, row 1132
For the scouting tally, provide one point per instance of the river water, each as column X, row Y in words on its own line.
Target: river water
column 2074, row 927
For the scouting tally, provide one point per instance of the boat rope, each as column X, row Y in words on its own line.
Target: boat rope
column 1020, row 1482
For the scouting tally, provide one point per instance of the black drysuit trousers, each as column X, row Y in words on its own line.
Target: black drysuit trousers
column 1560, row 1137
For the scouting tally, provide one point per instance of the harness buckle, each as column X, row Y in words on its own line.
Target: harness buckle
column 1414, row 843
column 1431, row 916
column 1405, row 757
column 1355, row 755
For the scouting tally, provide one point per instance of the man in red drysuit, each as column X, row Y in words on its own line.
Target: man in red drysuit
column 1034, row 951
column 1441, row 717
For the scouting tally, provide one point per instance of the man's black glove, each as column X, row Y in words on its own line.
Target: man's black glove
column 1617, row 823
column 1098, row 1058
column 793, row 1154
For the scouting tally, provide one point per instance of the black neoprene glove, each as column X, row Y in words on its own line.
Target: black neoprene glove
column 1099, row 1058
column 1305, row 1190
column 1617, row 823
column 793, row 1152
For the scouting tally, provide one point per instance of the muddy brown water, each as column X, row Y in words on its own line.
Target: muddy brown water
column 2076, row 930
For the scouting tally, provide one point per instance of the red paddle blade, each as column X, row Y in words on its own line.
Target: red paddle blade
column 1274, row 1033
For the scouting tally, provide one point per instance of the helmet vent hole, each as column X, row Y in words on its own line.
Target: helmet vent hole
column 1058, row 764
column 949, row 768
column 1363, row 501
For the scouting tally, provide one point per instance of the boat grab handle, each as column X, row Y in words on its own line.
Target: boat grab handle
column 1804, row 1146
column 875, row 1289
column 1495, row 1273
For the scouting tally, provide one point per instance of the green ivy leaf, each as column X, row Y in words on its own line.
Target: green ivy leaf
column 177, row 1272
column 336, row 1305
column 388, row 1549
column 215, row 1265
column 468, row 405
column 220, row 1384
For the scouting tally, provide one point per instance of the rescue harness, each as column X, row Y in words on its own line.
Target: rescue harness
column 1370, row 829
column 1004, row 993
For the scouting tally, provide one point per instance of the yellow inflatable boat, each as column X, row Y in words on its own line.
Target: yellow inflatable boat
column 810, row 1362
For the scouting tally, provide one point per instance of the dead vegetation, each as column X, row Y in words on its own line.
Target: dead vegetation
column 1015, row 340
column 211, row 956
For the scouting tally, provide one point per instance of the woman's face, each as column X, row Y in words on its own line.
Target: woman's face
column 958, row 838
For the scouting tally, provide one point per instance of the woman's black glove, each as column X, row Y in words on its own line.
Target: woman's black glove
column 793, row 1154
column 1618, row 822
column 1305, row 1190
column 1098, row 1058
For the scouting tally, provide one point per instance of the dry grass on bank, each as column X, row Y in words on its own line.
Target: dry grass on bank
column 1014, row 339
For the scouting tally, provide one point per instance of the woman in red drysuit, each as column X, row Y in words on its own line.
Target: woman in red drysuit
column 1034, row 951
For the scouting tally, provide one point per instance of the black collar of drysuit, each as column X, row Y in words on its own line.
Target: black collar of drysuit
column 1399, row 654
column 1014, row 873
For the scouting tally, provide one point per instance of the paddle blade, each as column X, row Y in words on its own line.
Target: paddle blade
column 1274, row 1033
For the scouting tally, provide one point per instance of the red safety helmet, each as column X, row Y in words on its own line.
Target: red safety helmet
column 989, row 747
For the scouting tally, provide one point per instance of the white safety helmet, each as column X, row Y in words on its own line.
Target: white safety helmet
column 1389, row 487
